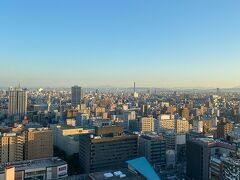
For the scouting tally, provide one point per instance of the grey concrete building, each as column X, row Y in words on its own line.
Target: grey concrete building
column 199, row 152
column 153, row 147
column 103, row 152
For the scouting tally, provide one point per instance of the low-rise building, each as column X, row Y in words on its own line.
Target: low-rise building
column 11, row 147
column 47, row 168
column 66, row 138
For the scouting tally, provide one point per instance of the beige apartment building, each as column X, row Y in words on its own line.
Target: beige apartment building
column 146, row 124
column 167, row 122
column 181, row 126
column 38, row 143
column 11, row 147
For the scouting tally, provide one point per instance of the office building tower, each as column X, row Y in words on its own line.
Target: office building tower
column 106, row 149
column 170, row 138
column 185, row 113
column 199, row 152
column 38, row 143
column 17, row 105
column 176, row 143
column 153, row 148
column 76, row 96
column 11, row 147
column 223, row 128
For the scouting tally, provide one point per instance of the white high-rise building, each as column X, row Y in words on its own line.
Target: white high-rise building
column 76, row 95
column 17, row 105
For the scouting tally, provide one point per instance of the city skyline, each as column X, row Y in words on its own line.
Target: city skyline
column 157, row 44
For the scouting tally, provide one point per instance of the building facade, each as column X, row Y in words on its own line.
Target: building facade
column 97, row 153
column 17, row 105
column 11, row 147
column 153, row 148
column 38, row 143
column 76, row 96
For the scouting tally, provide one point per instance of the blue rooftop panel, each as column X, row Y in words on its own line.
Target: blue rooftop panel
column 143, row 167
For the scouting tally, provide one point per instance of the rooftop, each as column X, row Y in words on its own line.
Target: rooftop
column 152, row 135
column 206, row 140
column 234, row 161
column 33, row 164
column 125, row 174
column 142, row 166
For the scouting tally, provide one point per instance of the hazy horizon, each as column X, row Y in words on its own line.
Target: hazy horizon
column 162, row 44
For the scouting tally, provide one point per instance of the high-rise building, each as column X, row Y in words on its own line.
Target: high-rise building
column 223, row 128
column 153, row 147
column 38, row 143
column 17, row 105
column 105, row 149
column 11, row 147
column 146, row 124
column 170, row 138
column 167, row 122
column 199, row 152
column 76, row 95
column 181, row 126
column 164, row 122
column 185, row 113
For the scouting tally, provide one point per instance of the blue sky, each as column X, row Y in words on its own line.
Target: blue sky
column 157, row 43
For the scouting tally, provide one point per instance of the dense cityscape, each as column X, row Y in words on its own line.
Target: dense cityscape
column 119, row 133
column 119, row 90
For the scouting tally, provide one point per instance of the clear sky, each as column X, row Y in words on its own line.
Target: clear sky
column 157, row 43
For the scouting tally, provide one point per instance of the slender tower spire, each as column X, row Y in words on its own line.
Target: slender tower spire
column 49, row 102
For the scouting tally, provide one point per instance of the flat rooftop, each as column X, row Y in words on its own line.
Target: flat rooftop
column 206, row 140
column 233, row 161
column 33, row 164
column 152, row 135
column 129, row 175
